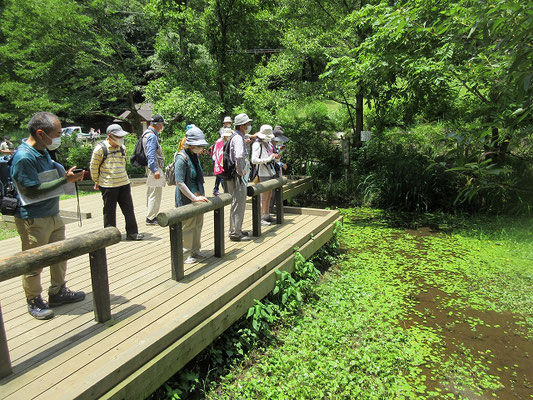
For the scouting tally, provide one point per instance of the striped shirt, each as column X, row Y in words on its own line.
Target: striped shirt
column 112, row 172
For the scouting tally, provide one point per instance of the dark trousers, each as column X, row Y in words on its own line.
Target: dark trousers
column 218, row 181
column 122, row 196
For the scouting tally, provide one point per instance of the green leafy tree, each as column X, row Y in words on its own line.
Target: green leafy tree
column 75, row 58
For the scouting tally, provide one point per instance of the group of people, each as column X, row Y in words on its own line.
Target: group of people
column 39, row 223
column 266, row 147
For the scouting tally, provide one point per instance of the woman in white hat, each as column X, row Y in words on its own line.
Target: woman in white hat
column 263, row 157
column 190, row 189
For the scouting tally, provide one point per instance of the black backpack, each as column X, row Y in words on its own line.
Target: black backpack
column 227, row 164
column 9, row 201
column 138, row 158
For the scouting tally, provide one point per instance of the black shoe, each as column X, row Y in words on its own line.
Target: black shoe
column 245, row 233
column 134, row 236
column 65, row 296
column 240, row 238
column 151, row 221
column 38, row 308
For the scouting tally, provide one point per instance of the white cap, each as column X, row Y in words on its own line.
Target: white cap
column 227, row 119
column 116, row 130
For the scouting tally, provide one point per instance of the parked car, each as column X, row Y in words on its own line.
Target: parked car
column 80, row 135
column 69, row 130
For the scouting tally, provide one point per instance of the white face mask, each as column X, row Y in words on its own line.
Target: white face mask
column 56, row 142
column 118, row 141
column 248, row 130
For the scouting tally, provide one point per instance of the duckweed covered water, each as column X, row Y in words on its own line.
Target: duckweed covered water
column 443, row 309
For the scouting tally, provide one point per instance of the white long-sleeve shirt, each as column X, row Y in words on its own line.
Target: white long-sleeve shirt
column 262, row 156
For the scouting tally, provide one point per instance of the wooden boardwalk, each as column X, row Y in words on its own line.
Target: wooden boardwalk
column 157, row 324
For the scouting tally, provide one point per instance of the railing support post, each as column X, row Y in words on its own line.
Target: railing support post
column 219, row 232
column 5, row 361
column 176, row 251
column 256, row 215
column 100, row 282
column 278, row 194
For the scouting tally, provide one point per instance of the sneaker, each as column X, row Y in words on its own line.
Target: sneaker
column 190, row 260
column 199, row 255
column 134, row 236
column 151, row 221
column 245, row 233
column 241, row 238
column 265, row 222
column 270, row 218
column 216, row 193
column 38, row 308
column 64, row 296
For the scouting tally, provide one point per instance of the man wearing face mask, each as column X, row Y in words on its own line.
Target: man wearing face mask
column 155, row 169
column 108, row 171
column 237, row 185
column 39, row 223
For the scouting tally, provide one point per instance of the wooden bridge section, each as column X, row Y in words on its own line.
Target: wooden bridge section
column 157, row 324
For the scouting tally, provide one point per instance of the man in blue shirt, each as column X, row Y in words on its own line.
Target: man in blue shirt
column 155, row 170
column 38, row 223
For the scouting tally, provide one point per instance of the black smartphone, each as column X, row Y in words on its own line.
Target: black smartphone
column 77, row 170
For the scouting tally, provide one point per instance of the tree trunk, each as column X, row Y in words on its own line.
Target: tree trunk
column 136, row 124
column 358, row 119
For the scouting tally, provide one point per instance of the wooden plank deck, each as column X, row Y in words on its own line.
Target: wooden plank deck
column 157, row 324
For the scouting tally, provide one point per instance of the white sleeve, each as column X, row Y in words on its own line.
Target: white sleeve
column 256, row 154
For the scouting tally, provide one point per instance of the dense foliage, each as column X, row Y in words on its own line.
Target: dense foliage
column 460, row 69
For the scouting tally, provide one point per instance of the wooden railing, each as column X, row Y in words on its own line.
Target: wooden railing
column 255, row 190
column 93, row 243
column 174, row 219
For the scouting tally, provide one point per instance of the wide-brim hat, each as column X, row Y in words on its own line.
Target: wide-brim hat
column 116, row 130
column 195, row 137
column 265, row 130
column 227, row 119
column 227, row 132
column 241, row 119
column 279, row 134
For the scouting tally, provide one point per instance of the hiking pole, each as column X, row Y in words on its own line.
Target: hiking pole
column 78, row 210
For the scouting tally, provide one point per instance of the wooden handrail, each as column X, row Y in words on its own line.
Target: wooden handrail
column 182, row 213
column 254, row 191
column 271, row 184
column 174, row 218
column 25, row 261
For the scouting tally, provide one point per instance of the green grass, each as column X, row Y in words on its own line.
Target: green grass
column 6, row 233
column 407, row 316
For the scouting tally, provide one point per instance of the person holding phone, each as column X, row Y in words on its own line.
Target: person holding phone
column 108, row 171
column 39, row 223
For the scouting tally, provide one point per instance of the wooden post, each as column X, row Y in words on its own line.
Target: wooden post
column 5, row 361
column 176, row 251
column 219, row 232
column 279, row 204
column 100, row 282
column 256, row 215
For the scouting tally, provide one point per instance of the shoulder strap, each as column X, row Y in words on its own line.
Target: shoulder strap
column 104, row 149
column 184, row 155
